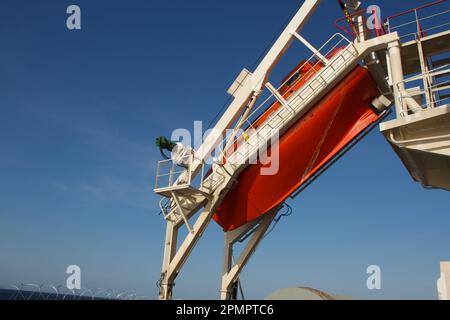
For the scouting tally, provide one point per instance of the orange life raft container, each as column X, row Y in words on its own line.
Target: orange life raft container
column 306, row 147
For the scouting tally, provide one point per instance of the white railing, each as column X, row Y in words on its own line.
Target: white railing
column 437, row 91
column 336, row 41
column 170, row 175
column 333, row 43
column 175, row 174
column 172, row 172
column 295, row 104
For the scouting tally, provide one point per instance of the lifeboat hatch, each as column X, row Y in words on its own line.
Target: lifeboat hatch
column 422, row 142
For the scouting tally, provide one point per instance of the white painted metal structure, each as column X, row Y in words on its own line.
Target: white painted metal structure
column 183, row 198
column 421, row 133
column 443, row 283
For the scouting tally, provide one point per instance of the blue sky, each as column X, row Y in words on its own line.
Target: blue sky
column 79, row 111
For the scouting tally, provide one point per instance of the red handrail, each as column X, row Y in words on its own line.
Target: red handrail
column 379, row 32
column 382, row 31
column 415, row 9
column 336, row 23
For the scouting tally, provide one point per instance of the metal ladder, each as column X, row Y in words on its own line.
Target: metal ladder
column 290, row 111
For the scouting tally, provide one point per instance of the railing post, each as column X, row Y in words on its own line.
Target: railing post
column 419, row 29
column 395, row 64
column 310, row 47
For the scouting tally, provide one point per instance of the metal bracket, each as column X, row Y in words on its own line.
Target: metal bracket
column 181, row 211
column 310, row 47
column 174, row 259
column 231, row 271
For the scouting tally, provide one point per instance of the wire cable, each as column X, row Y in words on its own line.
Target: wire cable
column 263, row 53
column 277, row 219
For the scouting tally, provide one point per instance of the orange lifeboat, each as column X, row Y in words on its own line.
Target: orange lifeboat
column 305, row 148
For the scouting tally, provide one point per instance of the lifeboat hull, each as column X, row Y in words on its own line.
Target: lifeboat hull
column 315, row 139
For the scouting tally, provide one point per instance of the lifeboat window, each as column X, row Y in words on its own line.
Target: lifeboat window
column 294, row 78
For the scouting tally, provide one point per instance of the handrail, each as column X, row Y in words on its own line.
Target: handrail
column 267, row 122
column 308, row 62
column 434, row 72
column 336, row 22
column 420, row 32
column 436, row 87
column 265, row 131
column 173, row 173
column 341, row 39
column 378, row 31
column 414, row 9
column 403, row 142
column 420, row 19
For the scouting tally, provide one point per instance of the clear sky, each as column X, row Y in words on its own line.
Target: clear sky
column 79, row 111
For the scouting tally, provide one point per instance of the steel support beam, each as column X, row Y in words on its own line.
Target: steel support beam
column 402, row 100
column 170, row 247
column 425, row 73
column 396, row 72
column 231, row 272
column 173, row 258
column 311, row 47
column 252, row 88
column 443, row 283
